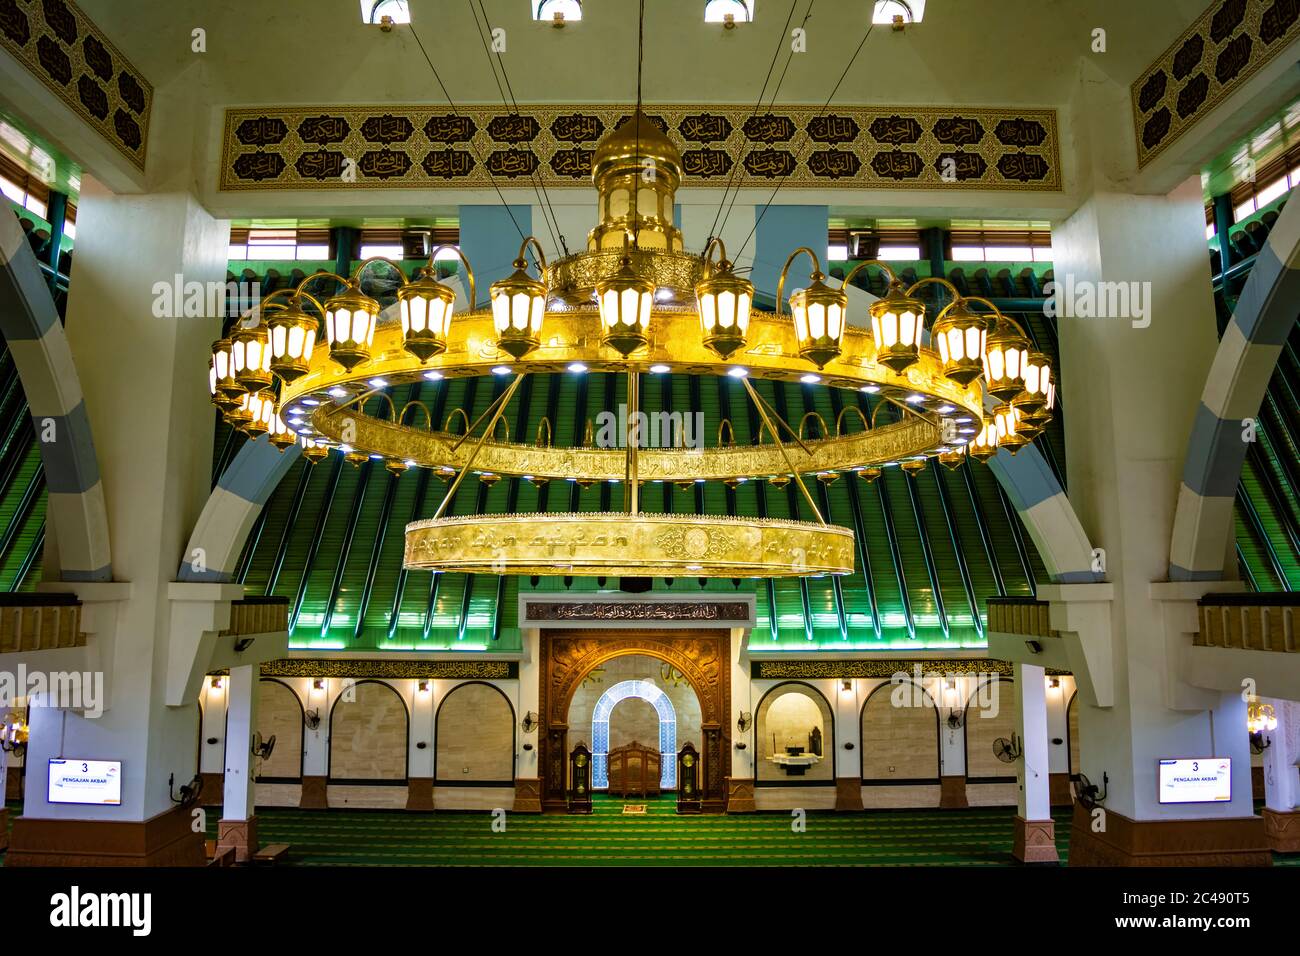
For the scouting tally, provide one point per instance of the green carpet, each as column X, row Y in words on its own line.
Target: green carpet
column 976, row 837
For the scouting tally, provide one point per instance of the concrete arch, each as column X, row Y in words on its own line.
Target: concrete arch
column 30, row 323
column 230, row 511
column 1234, row 389
column 1041, row 502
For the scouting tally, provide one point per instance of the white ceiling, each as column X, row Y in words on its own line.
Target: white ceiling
column 977, row 52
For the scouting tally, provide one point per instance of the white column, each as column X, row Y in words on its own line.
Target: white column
column 241, row 723
column 1281, row 783
column 1033, row 801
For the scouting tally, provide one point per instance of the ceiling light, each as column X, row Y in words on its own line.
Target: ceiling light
column 433, row 375
column 577, row 368
column 660, row 369
column 737, row 372
column 810, row 379
column 377, row 383
column 501, row 370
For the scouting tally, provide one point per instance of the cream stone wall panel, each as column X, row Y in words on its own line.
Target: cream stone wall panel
column 899, row 743
column 279, row 714
column 982, row 730
column 473, row 798
column 475, row 728
column 900, row 798
column 279, row 794
column 991, row 794
column 361, row 797
column 368, row 736
column 794, row 798
column 790, row 711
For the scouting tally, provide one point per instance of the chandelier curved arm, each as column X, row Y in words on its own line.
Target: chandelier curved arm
column 294, row 295
column 715, row 242
column 1000, row 316
column 839, row 419
column 323, row 274
column 882, row 266
column 522, row 262
column 469, row 270
column 780, row 283
column 952, row 290
column 821, row 423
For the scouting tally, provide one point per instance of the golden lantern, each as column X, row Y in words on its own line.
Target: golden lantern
column 624, row 299
column 960, row 336
column 250, row 358
column 426, row 307
column 951, row 458
column 356, row 457
column 238, row 416
column 871, row 473
column 222, row 375
column 818, row 311
column 350, row 324
column 1005, row 356
column 1010, row 435
column 292, row 336
column 261, row 409
column 313, row 450
column 219, row 398
column 281, row 436
column 1260, row 717
column 913, row 466
column 985, row 445
column 723, row 299
column 1038, row 379
column 518, row 305
column 396, row 466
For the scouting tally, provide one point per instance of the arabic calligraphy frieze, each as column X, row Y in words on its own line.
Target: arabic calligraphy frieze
column 637, row 611
column 1229, row 43
column 62, row 48
column 414, row 146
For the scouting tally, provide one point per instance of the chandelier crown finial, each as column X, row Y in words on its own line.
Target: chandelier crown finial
column 636, row 170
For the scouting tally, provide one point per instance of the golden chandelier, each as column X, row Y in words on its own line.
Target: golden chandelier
column 632, row 302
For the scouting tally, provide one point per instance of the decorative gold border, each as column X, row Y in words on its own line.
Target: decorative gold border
column 72, row 19
column 1226, row 40
column 882, row 667
column 328, row 667
column 306, row 147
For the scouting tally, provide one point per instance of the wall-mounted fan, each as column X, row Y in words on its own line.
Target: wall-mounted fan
column 530, row 722
column 744, row 721
column 311, row 718
column 1088, row 793
column 1008, row 751
column 263, row 748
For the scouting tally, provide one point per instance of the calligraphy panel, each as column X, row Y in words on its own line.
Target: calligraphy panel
column 1229, row 43
column 894, row 147
column 61, row 46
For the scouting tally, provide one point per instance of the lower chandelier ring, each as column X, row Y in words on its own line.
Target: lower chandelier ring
column 619, row 544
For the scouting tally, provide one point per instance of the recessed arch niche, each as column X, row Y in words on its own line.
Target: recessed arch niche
column 990, row 714
column 900, row 744
column 279, row 714
column 786, row 716
column 475, row 734
column 368, row 735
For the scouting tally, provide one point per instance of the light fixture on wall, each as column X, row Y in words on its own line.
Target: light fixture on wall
column 215, row 683
column 728, row 12
column 558, row 12
column 318, row 683
column 13, row 739
column 1260, row 719
column 423, row 686
column 846, row 684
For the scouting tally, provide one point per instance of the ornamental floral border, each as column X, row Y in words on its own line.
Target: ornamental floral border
column 61, row 46
column 1229, row 43
column 395, row 146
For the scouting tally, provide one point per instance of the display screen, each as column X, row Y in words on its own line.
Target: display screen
column 1198, row 780
column 85, row 781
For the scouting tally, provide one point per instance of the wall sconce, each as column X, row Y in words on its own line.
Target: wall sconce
column 423, row 687
column 318, row 683
column 215, row 683
column 13, row 740
column 1054, row 683
column 846, row 684
column 1260, row 718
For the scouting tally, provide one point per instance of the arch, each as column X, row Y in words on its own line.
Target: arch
column 286, row 723
column 1048, row 516
column 1234, row 389
column 36, row 337
column 382, row 771
column 900, row 722
column 230, row 511
column 979, row 744
column 652, row 694
column 821, row 773
column 486, row 768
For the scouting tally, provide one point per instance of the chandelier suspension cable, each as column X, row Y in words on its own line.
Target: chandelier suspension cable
column 542, row 196
column 469, row 143
column 794, row 472
column 731, row 174
column 807, row 139
column 636, row 116
column 770, row 102
column 478, row 446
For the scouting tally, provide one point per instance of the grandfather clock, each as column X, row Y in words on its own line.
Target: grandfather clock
column 580, row 780
column 688, row 780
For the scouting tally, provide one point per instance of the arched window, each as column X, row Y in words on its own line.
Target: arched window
column 653, row 695
column 374, row 11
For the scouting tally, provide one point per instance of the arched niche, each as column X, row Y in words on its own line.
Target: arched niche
column 990, row 714
column 368, row 735
column 900, row 744
column 475, row 733
column 279, row 714
column 786, row 716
